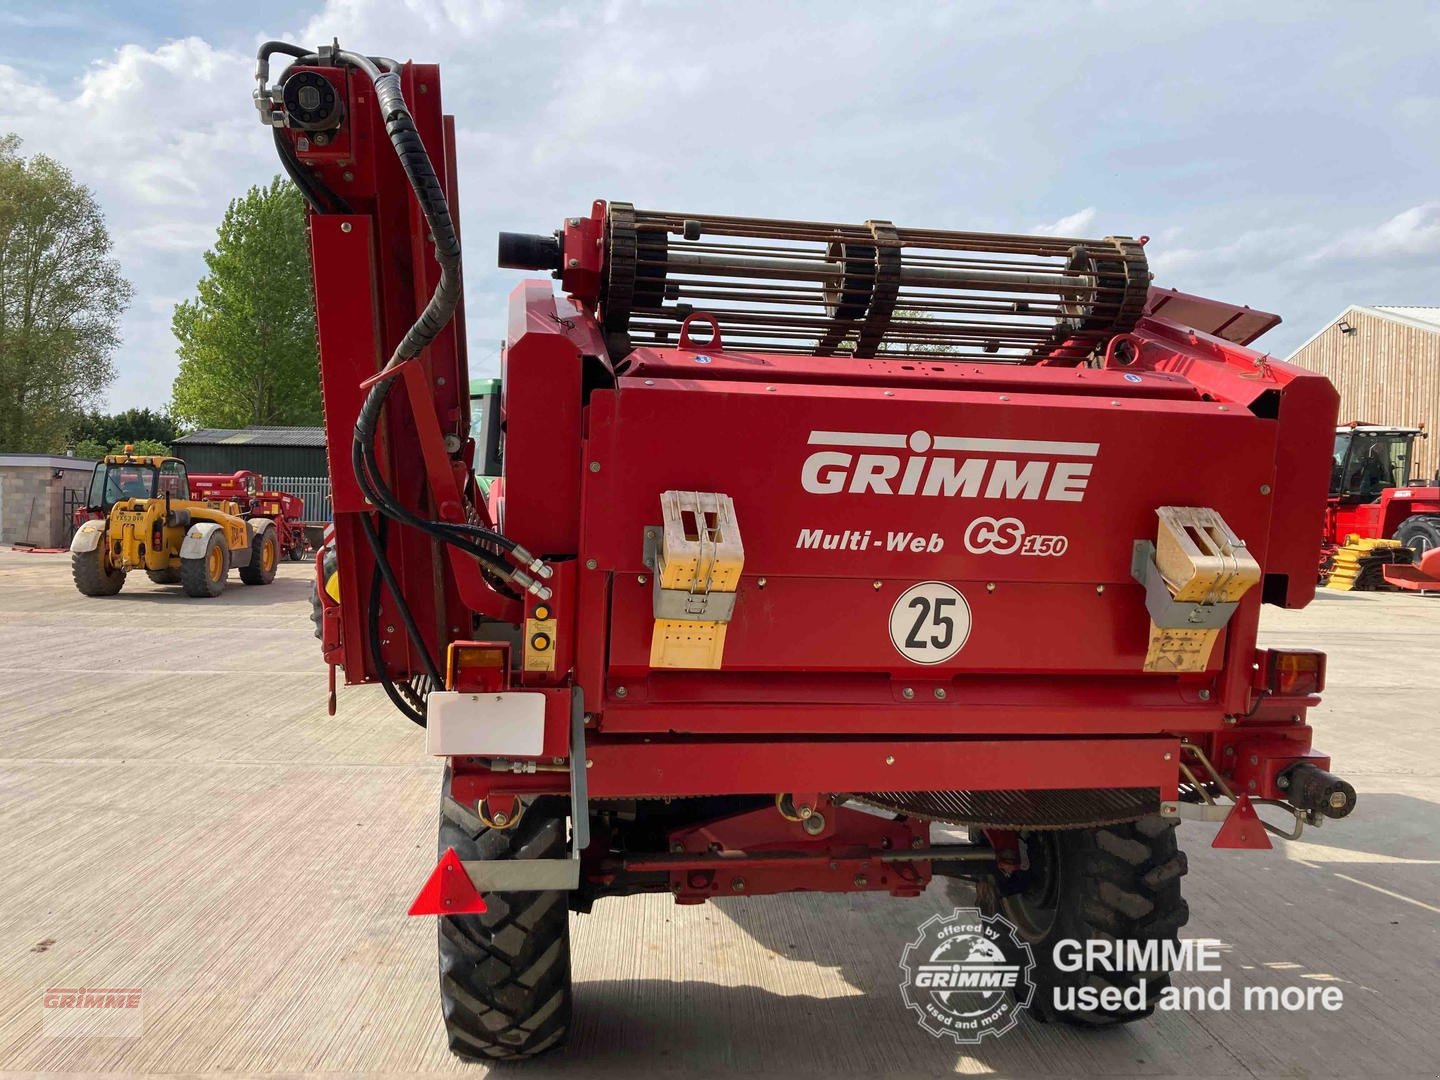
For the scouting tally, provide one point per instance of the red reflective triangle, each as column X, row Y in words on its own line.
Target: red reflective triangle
column 1242, row 828
column 449, row 890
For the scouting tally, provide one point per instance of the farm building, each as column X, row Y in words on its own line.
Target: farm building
column 290, row 459
column 38, row 495
column 1385, row 361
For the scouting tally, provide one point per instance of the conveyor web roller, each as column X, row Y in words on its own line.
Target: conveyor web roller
column 826, row 289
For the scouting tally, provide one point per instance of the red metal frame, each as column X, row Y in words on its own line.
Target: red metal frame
column 1049, row 690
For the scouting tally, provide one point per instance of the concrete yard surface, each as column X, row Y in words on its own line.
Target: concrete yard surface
column 179, row 815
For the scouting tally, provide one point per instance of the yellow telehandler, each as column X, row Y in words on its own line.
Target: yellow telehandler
column 142, row 518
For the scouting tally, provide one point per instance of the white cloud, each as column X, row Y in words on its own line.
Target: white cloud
column 1071, row 225
column 1412, row 233
column 978, row 116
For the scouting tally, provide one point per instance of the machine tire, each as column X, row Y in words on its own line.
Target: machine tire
column 328, row 562
column 264, row 559
column 169, row 576
column 505, row 975
column 93, row 574
column 1420, row 533
column 198, row 577
column 1117, row 882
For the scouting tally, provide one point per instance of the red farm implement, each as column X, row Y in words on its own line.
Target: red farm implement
column 1380, row 529
column 247, row 490
column 806, row 535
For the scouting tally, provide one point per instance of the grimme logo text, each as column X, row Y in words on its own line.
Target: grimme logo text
column 947, row 465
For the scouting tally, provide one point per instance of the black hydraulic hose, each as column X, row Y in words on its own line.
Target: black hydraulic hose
column 373, row 626
column 321, row 199
column 382, row 575
column 382, row 563
column 374, row 489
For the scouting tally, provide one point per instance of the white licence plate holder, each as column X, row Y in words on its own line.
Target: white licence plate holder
column 491, row 724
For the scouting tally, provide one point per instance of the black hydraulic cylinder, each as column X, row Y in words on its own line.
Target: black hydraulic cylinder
column 1312, row 788
column 529, row 251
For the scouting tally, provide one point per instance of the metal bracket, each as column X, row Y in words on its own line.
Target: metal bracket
column 682, row 603
column 1165, row 611
column 650, row 553
column 541, row 875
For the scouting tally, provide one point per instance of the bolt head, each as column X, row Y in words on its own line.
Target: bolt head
column 641, row 578
column 573, row 262
column 889, row 759
column 1204, row 695
column 1337, row 800
column 594, row 466
column 620, row 691
column 861, row 880
column 738, row 884
column 908, row 693
column 345, row 226
column 590, row 564
column 939, row 693
column 1264, row 489
column 876, row 584
column 1099, row 590
column 500, row 817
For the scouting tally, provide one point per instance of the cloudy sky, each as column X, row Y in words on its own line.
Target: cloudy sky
column 1284, row 155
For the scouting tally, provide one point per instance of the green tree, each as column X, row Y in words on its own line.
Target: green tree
column 61, row 298
column 93, row 449
column 130, row 426
column 247, row 340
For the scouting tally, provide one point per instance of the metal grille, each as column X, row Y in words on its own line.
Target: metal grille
column 73, row 499
column 1068, row 809
column 315, row 490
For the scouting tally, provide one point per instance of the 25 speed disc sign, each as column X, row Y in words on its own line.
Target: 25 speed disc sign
column 929, row 622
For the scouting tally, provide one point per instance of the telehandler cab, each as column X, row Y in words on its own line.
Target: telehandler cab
column 147, row 521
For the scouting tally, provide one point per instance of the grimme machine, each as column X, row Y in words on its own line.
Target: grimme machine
column 799, row 538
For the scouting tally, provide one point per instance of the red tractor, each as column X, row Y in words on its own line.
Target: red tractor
column 1372, row 501
column 806, row 535
column 247, row 489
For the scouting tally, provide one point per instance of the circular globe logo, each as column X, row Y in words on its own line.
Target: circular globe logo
column 967, row 975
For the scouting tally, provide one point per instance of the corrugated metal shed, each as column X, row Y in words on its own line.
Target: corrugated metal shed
column 1385, row 362
column 270, row 451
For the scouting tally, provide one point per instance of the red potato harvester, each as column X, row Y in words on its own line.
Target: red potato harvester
column 805, row 535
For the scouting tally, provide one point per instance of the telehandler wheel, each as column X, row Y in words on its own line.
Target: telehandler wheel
column 505, row 975
column 205, row 576
column 93, row 574
column 264, row 558
column 1117, row 881
column 169, row 576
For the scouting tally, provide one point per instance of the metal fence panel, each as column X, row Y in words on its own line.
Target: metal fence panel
column 315, row 490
